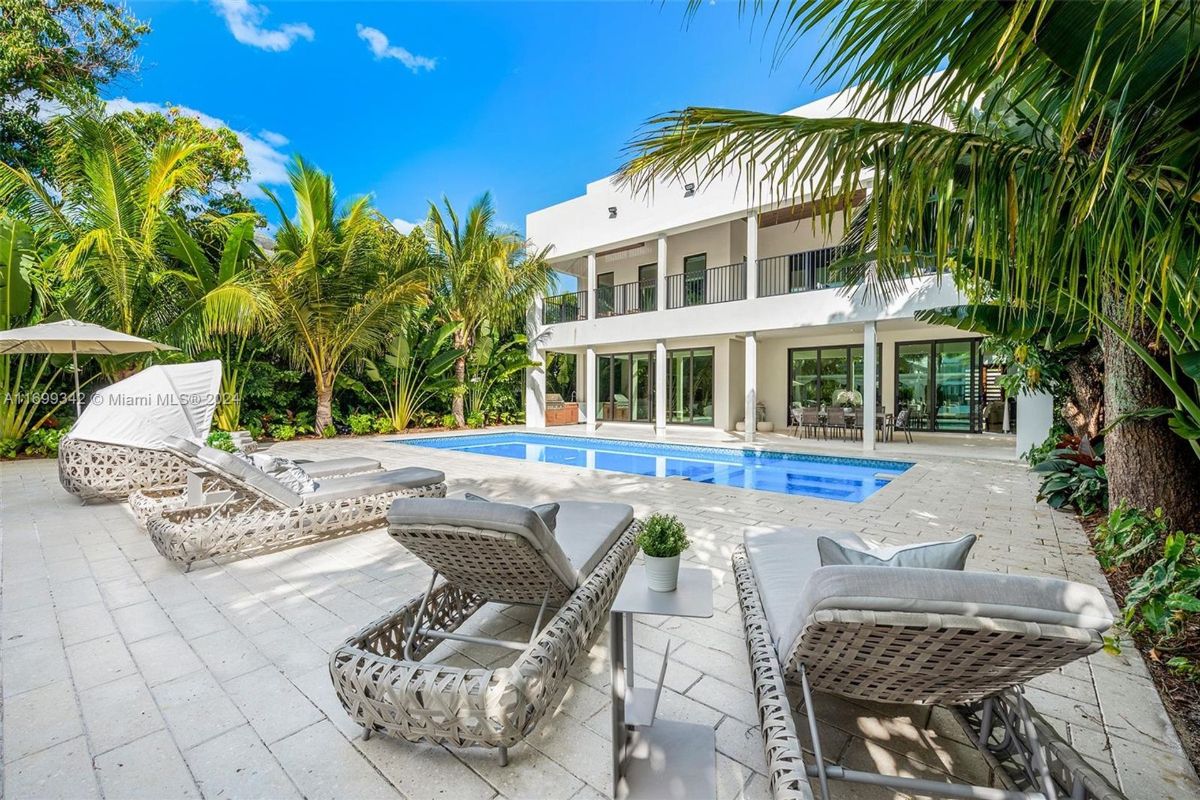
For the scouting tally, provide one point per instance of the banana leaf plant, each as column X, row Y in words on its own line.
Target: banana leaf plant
column 495, row 360
column 413, row 369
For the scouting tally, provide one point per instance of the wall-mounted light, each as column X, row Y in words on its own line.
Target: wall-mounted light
column 689, row 189
column 612, row 212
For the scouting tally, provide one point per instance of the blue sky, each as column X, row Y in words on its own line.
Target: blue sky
column 410, row 101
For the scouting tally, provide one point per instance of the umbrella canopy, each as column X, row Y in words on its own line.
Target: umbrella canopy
column 74, row 337
column 167, row 400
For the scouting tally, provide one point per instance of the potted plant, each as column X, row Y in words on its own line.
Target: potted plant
column 848, row 399
column 662, row 539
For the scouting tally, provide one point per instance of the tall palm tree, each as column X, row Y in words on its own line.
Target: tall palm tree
column 1077, row 190
column 484, row 275
column 109, row 208
column 342, row 280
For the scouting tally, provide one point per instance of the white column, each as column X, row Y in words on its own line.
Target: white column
column 660, row 290
column 751, row 385
column 535, row 377
column 591, row 285
column 751, row 256
column 592, row 390
column 660, row 388
column 870, row 369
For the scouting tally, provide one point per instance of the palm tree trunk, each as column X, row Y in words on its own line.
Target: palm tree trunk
column 324, row 405
column 460, row 391
column 1148, row 465
column 1084, row 410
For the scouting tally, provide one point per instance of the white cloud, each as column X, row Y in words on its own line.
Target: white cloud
column 267, row 163
column 403, row 225
column 377, row 41
column 245, row 23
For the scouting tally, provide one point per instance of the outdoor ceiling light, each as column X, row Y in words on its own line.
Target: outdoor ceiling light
column 689, row 189
column 612, row 212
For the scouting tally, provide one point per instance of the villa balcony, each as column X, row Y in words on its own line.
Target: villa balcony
column 713, row 285
column 626, row 298
column 795, row 272
column 568, row 307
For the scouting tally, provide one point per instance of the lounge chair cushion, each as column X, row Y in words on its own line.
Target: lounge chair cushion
column 587, row 531
column 392, row 480
column 928, row 555
column 547, row 511
column 180, row 445
column 783, row 561
column 247, row 473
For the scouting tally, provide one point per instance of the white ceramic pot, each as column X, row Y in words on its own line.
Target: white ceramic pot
column 662, row 574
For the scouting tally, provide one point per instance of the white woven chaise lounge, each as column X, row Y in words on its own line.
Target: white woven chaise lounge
column 206, row 488
column 964, row 640
column 484, row 552
column 261, row 514
column 116, row 445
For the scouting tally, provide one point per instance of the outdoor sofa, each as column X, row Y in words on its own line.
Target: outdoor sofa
column 960, row 639
column 483, row 553
column 262, row 514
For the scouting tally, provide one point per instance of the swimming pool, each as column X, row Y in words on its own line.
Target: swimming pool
column 832, row 478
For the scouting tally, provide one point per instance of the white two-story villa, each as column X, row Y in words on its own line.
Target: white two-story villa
column 709, row 307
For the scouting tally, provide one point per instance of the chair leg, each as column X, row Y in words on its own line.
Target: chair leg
column 503, row 756
column 810, row 711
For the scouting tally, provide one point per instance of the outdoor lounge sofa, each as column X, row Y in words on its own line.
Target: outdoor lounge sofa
column 484, row 552
column 204, row 487
column 263, row 514
column 964, row 640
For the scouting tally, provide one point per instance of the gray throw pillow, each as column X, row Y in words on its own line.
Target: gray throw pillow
column 547, row 511
column 927, row 555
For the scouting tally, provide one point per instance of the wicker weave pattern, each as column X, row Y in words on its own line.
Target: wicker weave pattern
column 248, row 525
column 417, row 701
column 95, row 470
column 930, row 658
column 785, row 758
column 147, row 503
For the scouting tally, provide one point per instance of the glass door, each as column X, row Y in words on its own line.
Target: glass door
column 913, row 382
column 954, row 386
column 604, row 387
column 642, row 396
column 648, row 287
column 690, row 387
column 806, row 379
column 694, row 291
column 604, row 294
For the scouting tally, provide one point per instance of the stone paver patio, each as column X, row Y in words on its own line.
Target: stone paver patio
column 123, row 677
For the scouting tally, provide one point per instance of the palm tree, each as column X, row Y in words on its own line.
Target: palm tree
column 1076, row 189
column 109, row 208
column 484, row 275
column 342, row 280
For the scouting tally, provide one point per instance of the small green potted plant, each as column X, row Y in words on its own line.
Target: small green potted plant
column 662, row 539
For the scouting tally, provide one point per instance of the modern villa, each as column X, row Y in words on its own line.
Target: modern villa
column 705, row 306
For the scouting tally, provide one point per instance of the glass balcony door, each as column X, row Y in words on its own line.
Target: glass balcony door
column 694, row 279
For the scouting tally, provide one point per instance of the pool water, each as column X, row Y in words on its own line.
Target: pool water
column 832, row 478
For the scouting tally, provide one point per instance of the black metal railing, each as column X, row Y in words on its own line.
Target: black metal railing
column 795, row 272
column 569, row 307
column 626, row 298
column 713, row 285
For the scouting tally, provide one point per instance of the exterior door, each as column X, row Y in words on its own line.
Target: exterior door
column 648, row 287
column 604, row 294
column 694, row 290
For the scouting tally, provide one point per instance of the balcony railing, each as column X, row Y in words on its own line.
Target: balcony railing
column 795, row 272
column 569, row 307
column 713, row 285
column 626, row 298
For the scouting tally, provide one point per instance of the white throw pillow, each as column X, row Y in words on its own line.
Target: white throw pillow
column 286, row 471
column 927, row 555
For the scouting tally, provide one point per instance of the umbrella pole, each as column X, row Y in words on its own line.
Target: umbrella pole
column 75, row 369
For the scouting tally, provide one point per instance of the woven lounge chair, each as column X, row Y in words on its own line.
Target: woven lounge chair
column 264, row 515
column 964, row 640
column 202, row 487
column 482, row 553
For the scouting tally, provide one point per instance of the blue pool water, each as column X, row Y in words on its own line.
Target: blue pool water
column 829, row 477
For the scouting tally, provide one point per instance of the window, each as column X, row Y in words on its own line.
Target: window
column 817, row 374
column 690, row 386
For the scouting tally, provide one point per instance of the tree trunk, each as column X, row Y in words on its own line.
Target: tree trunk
column 1148, row 465
column 1084, row 409
column 324, row 406
column 460, row 391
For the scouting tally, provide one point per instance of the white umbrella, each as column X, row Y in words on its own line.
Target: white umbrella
column 74, row 337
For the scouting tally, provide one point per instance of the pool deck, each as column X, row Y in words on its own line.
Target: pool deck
column 123, row 677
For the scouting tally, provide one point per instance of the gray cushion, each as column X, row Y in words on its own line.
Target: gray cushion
column 587, row 531
column 325, row 468
column 181, row 446
column 392, row 480
column 782, row 562
column 547, row 511
column 927, row 555
column 500, row 517
column 247, row 473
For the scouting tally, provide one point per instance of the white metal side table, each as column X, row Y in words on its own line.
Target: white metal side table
column 654, row 758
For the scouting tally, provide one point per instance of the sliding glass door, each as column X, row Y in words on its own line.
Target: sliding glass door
column 625, row 387
column 938, row 382
column 817, row 374
column 690, row 386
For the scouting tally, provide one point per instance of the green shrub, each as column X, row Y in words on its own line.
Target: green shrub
column 361, row 424
column 1162, row 602
column 475, row 420
column 9, row 448
column 283, row 432
column 1130, row 536
column 221, row 440
column 1074, row 476
column 447, row 421
column 44, row 441
column 1040, row 452
column 329, row 431
column 663, row 536
column 383, row 424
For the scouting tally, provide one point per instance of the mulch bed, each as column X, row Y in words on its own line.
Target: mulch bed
column 1180, row 695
